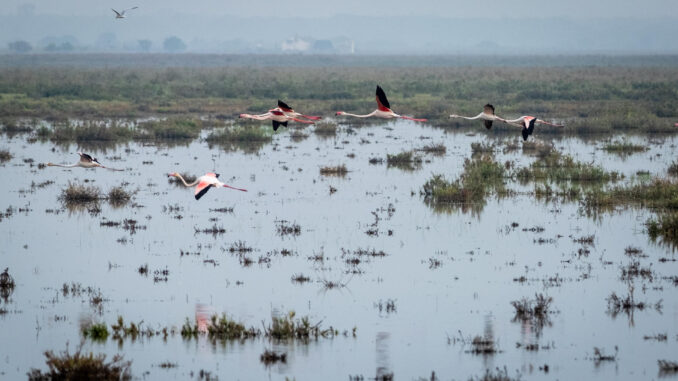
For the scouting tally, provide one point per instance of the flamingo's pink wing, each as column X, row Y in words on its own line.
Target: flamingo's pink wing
column 201, row 189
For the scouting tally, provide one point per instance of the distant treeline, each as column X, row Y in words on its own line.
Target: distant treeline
column 158, row 60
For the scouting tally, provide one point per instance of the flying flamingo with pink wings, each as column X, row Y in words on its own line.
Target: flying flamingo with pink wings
column 383, row 109
column 288, row 111
column 279, row 117
column 204, row 183
column 527, row 123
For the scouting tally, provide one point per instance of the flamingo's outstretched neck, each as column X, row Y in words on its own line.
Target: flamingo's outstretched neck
column 240, row 189
column 184, row 181
column 414, row 119
column 357, row 116
column 62, row 165
column 113, row 169
column 467, row 117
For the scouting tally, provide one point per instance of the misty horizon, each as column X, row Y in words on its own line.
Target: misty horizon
column 93, row 28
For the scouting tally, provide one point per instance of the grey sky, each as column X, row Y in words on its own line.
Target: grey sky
column 313, row 8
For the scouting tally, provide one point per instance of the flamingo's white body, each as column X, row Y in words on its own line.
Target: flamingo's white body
column 289, row 112
column 527, row 123
column 487, row 116
column 276, row 116
column 122, row 14
column 204, row 183
column 86, row 161
column 383, row 109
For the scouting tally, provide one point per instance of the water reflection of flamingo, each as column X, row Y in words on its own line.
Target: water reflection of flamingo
column 527, row 123
column 383, row 109
column 202, row 317
column 86, row 161
column 277, row 116
column 204, row 183
column 487, row 116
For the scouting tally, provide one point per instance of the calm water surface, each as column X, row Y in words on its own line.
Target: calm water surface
column 449, row 274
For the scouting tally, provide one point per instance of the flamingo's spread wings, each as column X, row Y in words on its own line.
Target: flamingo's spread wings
column 85, row 157
column 382, row 101
column 277, row 124
column 488, row 109
column 201, row 189
column 283, row 106
column 528, row 126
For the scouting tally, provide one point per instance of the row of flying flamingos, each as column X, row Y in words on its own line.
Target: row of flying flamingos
column 284, row 113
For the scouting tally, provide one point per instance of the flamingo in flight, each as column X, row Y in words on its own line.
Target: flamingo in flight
column 121, row 14
column 86, row 161
column 383, row 109
column 527, row 123
column 277, row 117
column 288, row 111
column 487, row 116
column 204, row 183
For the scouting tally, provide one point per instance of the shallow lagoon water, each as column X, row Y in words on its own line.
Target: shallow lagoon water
column 449, row 274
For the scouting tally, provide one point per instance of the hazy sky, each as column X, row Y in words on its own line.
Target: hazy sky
column 314, row 8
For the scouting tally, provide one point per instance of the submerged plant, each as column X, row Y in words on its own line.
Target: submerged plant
column 339, row 170
column 6, row 285
column 79, row 366
column 536, row 311
column 79, row 194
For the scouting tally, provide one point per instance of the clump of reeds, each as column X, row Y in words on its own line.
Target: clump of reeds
column 300, row 278
column 600, row 356
column 480, row 175
column 239, row 247
column 285, row 228
column 325, row 129
column 118, row 196
column 5, row 155
column 536, row 311
column 172, row 128
column 339, row 170
column 557, row 167
column 667, row 367
column 240, row 135
column 6, row 285
column 664, row 227
column 624, row 147
column 95, row 331
column 528, row 309
column 626, row 304
column 79, row 194
column 80, row 366
column 287, row 327
column 404, row 160
column 435, row 149
column 498, row 374
column 483, row 345
column 633, row 270
column 271, row 357
column 478, row 148
column 658, row 193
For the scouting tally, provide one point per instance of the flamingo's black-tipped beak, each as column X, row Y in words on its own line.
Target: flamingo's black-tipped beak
column 170, row 174
column 338, row 113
